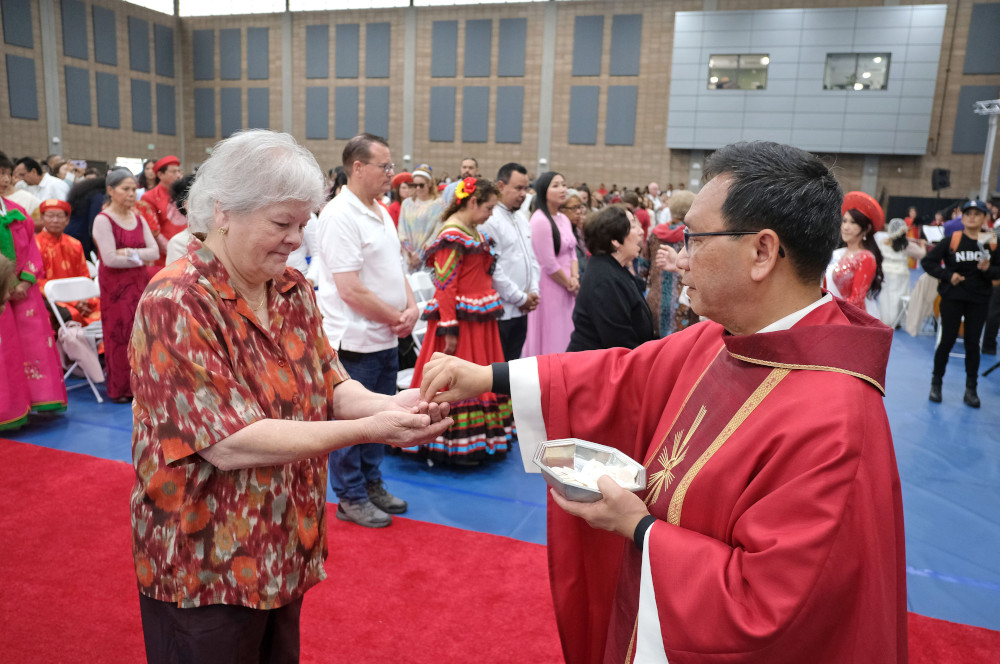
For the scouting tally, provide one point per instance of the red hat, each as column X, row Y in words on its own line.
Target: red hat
column 866, row 205
column 54, row 204
column 401, row 178
column 166, row 161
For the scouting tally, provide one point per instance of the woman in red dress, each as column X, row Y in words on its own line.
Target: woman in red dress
column 462, row 321
column 855, row 272
column 125, row 243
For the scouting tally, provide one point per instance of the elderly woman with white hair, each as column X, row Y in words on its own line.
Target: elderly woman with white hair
column 238, row 400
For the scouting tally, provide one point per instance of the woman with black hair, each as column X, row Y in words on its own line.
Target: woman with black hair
column 610, row 310
column 86, row 200
column 551, row 323
column 855, row 272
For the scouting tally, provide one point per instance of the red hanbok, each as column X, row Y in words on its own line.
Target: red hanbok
column 466, row 304
column 772, row 476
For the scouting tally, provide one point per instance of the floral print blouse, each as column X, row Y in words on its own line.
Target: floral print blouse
column 203, row 368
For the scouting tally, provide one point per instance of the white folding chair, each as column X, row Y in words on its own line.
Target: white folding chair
column 74, row 289
column 405, row 376
column 421, row 285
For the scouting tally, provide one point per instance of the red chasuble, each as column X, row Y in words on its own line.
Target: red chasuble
column 771, row 472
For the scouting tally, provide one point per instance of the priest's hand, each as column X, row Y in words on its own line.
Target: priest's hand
column 619, row 511
column 409, row 401
column 448, row 378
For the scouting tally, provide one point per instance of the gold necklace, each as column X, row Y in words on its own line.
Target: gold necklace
column 260, row 304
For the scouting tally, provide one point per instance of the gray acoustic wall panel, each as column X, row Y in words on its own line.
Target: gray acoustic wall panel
column 22, row 89
column 105, row 36
column 258, row 62
column 509, row 114
column 230, row 55
column 345, row 112
column 108, row 114
column 444, row 48
column 142, row 106
column 377, row 110
column 204, row 54
column 317, row 51
column 583, row 100
column 588, row 45
column 478, row 48
column 378, row 47
column 318, row 112
column 347, row 45
column 74, row 32
column 475, row 113
column 78, row 96
column 982, row 55
column 971, row 129
column 163, row 46
column 442, row 114
column 620, row 125
column 512, row 46
column 166, row 115
column 204, row 112
column 626, row 43
column 230, row 110
column 17, row 23
column 138, row 44
column 793, row 107
column 258, row 108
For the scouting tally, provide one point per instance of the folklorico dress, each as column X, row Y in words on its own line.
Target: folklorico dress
column 121, row 289
column 32, row 372
column 63, row 258
column 466, row 304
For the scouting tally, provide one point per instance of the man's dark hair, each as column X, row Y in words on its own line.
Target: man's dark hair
column 179, row 193
column 630, row 198
column 30, row 164
column 503, row 175
column 609, row 224
column 473, row 160
column 787, row 190
column 359, row 148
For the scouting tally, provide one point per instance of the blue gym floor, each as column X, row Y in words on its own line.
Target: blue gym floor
column 948, row 455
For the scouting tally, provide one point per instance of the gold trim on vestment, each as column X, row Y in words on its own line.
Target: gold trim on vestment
column 769, row 383
column 681, row 409
column 810, row 367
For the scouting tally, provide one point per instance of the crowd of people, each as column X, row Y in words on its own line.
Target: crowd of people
column 271, row 302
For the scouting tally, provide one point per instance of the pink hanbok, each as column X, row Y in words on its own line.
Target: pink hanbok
column 32, row 372
column 551, row 324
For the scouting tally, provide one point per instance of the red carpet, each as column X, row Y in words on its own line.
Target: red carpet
column 415, row 592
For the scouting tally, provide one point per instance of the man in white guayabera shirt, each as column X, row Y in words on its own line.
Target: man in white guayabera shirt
column 771, row 527
column 515, row 277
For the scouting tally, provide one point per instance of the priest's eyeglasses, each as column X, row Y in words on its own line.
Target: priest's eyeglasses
column 688, row 236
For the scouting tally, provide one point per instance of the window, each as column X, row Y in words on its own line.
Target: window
column 856, row 71
column 738, row 72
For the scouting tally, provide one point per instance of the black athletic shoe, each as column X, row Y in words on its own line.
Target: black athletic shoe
column 971, row 399
column 935, row 394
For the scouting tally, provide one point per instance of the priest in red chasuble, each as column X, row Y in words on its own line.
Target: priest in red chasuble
column 157, row 208
column 771, row 527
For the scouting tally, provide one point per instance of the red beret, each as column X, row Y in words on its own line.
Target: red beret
column 166, row 161
column 866, row 205
column 54, row 204
column 401, row 178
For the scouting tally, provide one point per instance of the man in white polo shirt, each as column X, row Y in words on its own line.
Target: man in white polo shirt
column 367, row 305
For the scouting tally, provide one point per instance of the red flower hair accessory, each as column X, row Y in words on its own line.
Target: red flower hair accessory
column 465, row 188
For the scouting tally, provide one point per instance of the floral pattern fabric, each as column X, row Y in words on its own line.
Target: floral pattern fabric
column 204, row 368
